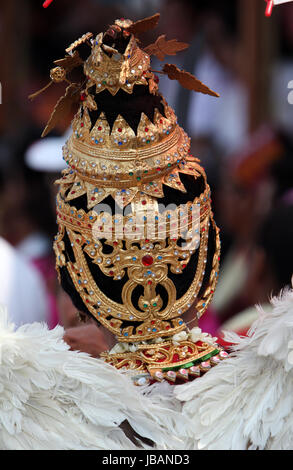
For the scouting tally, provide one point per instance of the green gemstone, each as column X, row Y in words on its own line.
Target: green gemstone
column 144, row 305
column 148, row 141
column 169, row 164
column 104, row 82
column 146, row 171
column 155, row 304
column 138, row 178
column 131, row 174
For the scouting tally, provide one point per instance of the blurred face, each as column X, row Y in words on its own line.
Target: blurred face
column 236, row 209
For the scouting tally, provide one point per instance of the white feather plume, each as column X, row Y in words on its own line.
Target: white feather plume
column 247, row 400
column 54, row 398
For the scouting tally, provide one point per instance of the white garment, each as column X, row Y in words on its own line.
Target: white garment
column 35, row 245
column 21, row 287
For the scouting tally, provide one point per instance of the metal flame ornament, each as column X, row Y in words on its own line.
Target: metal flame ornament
column 47, row 3
column 271, row 4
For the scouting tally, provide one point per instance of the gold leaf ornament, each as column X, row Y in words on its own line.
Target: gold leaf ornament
column 63, row 107
column 187, row 80
column 144, row 25
column 162, row 47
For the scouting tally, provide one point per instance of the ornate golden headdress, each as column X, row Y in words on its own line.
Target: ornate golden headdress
column 134, row 262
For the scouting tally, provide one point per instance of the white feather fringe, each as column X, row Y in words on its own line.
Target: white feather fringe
column 247, row 400
column 54, row 398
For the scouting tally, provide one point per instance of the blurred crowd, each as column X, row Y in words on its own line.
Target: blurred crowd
column 244, row 140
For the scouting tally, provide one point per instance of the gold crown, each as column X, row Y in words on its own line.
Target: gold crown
column 141, row 247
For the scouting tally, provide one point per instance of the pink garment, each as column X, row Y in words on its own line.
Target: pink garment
column 209, row 322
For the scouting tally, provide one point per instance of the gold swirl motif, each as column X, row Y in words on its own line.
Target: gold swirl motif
column 58, row 74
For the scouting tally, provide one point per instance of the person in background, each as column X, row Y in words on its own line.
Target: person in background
column 271, row 265
column 257, row 177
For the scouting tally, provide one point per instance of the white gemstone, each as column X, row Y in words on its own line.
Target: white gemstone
column 159, row 375
column 142, row 381
column 171, row 374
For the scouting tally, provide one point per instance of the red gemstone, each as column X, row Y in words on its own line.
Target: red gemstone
column 143, row 203
column 147, row 260
column 146, row 129
column 149, row 283
column 119, row 129
column 176, row 358
column 82, row 97
column 99, row 128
